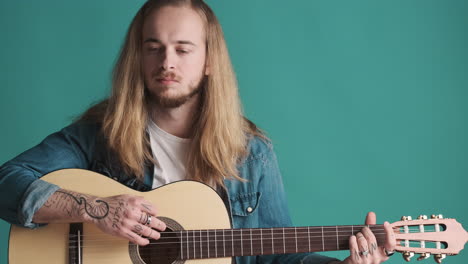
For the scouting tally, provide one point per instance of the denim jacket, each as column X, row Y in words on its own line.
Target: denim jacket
column 258, row 202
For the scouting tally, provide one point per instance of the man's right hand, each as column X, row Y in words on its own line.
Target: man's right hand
column 130, row 217
column 126, row 216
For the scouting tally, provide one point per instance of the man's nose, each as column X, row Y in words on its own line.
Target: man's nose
column 168, row 60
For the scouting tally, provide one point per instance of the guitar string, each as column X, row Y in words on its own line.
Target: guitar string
column 196, row 239
column 333, row 230
column 203, row 253
column 255, row 242
column 196, row 234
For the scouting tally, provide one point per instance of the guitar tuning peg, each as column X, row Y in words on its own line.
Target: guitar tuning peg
column 422, row 217
column 439, row 257
column 408, row 255
column 424, row 256
column 439, row 216
column 406, row 218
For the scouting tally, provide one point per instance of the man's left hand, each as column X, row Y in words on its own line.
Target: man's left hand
column 363, row 246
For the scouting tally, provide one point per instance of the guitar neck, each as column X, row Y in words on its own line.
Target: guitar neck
column 216, row 243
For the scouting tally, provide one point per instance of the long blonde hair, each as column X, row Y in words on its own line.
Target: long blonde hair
column 220, row 133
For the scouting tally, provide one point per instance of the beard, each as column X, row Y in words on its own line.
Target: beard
column 166, row 101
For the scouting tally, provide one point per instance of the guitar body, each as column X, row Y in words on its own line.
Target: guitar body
column 190, row 204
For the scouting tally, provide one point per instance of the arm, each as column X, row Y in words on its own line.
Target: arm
column 123, row 215
column 28, row 201
column 22, row 192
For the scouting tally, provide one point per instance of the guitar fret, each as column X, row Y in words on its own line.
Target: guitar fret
column 308, row 235
column 224, row 244
column 208, row 239
column 261, row 240
column 272, row 241
column 251, row 244
column 181, row 245
column 295, row 236
column 284, row 242
column 337, row 242
column 216, row 244
column 232, row 239
column 242, row 244
column 194, row 245
column 201, row 251
column 188, row 248
column 323, row 241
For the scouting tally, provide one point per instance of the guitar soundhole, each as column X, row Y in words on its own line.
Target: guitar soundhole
column 165, row 250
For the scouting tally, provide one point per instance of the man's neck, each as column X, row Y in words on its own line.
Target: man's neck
column 177, row 121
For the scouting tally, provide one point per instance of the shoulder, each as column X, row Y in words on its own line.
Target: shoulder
column 82, row 131
column 259, row 148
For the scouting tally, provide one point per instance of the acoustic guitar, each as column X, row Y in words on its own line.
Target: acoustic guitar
column 199, row 231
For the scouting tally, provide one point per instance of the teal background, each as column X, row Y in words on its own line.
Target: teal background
column 365, row 101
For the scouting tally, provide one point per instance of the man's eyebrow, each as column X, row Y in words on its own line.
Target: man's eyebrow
column 188, row 42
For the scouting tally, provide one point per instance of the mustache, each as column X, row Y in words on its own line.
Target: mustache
column 168, row 75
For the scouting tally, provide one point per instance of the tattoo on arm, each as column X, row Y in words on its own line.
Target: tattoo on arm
column 98, row 211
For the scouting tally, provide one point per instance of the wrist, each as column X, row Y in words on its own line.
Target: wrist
column 93, row 209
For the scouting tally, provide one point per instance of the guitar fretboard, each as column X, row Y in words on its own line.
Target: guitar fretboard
column 216, row 243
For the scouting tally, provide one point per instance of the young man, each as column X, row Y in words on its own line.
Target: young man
column 174, row 113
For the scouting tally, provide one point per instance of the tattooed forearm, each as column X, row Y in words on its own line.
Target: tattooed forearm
column 98, row 210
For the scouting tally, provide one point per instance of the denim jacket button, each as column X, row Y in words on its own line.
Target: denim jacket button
column 249, row 209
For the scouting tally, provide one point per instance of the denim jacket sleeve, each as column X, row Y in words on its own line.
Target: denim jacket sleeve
column 272, row 209
column 22, row 192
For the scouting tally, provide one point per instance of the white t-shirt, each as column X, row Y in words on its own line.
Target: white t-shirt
column 170, row 153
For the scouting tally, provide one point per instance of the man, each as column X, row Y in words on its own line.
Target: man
column 174, row 113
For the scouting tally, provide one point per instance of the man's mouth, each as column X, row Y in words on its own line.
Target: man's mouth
column 167, row 81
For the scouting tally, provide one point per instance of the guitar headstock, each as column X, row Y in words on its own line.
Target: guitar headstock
column 436, row 236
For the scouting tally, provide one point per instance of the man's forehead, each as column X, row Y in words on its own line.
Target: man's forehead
column 175, row 25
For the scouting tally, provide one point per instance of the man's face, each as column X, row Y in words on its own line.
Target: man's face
column 174, row 55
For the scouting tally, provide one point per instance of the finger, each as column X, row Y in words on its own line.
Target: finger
column 136, row 238
column 371, row 218
column 157, row 224
column 148, row 208
column 362, row 244
column 390, row 241
column 371, row 240
column 145, row 231
column 354, row 249
column 143, row 217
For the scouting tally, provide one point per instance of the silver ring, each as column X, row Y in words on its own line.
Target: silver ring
column 364, row 253
column 388, row 253
column 148, row 220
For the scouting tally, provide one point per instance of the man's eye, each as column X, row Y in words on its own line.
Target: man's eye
column 182, row 51
column 153, row 48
